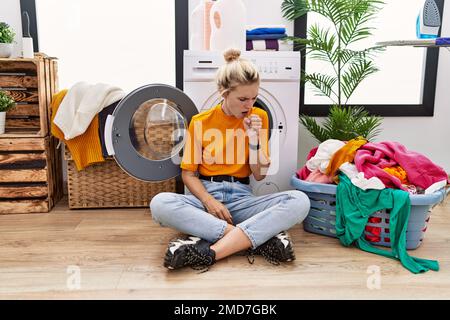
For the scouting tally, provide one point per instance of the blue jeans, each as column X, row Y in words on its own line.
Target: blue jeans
column 259, row 217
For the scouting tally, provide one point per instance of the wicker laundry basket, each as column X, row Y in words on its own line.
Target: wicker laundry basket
column 322, row 215
column 106, row 185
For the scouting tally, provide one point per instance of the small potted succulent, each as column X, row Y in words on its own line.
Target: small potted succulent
column 6, row 40
column 6, row 104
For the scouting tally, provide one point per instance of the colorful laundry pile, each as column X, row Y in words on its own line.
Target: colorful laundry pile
column 371, row 165
column 373, row 177
column 267, row 38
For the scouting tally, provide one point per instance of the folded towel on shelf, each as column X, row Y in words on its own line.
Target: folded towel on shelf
column 262, row 45
column 266, row 26
column 276, row 36
column 81, row 104
column 269, row 45
column 259, row 31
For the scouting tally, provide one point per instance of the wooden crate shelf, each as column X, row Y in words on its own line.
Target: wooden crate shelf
column 30, row 175
column 31, row 83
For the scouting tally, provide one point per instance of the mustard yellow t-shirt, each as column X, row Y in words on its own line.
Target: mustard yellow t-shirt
column 216, row 143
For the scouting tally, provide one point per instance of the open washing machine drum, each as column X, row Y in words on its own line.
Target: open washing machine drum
column 146, row 133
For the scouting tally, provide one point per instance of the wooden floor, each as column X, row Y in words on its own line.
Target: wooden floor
column 118, row 255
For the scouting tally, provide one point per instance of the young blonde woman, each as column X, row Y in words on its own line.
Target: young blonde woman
column 225, row 145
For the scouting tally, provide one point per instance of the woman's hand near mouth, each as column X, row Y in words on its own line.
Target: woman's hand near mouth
column 252, row 125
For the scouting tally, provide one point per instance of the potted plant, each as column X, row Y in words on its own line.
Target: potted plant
column 6, row 104
column 333, row 44
column 6, row 40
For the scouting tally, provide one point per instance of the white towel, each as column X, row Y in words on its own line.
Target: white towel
column 80, row 105
column 357, row 178
column 260, row 45
column 324, row 154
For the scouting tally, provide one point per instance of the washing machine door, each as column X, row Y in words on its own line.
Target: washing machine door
column 147, row 132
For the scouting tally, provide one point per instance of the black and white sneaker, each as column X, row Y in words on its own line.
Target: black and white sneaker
column 275, row 250
column 191, row 251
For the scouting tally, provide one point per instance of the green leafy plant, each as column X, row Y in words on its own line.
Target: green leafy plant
column 348, row 24
column 6, row 102
column 6, row 33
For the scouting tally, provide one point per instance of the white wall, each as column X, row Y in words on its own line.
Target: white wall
column 125, row 43
column 427, row 135
column 10, row 13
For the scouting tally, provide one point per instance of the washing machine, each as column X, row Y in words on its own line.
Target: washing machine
column 279, row 96
column 147, row 131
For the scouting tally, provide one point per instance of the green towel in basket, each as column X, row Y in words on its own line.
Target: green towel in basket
column 354, row 206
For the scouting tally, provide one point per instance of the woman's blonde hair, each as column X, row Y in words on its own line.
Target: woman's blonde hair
column 235, row 72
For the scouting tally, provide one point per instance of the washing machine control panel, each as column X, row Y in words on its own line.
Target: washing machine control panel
column 277, row 66
column 273, row 69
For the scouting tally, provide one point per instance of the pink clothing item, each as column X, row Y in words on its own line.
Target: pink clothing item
column 303, row 173
column 371, row 158
column 372, row 165
column 318, row 177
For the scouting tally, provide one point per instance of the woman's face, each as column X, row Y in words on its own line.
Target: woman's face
column 239, row 101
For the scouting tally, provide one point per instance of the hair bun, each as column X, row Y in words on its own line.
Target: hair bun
column 232, row 55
